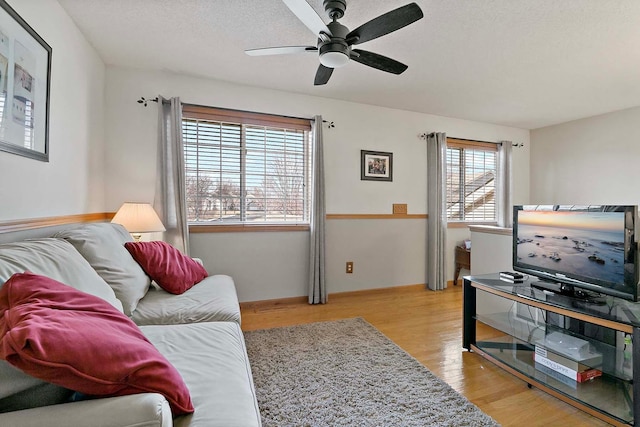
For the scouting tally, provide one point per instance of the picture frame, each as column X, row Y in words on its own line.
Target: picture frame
column 25, row 85
column 376, row 166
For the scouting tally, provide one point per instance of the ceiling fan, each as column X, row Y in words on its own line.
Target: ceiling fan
column 335, row 41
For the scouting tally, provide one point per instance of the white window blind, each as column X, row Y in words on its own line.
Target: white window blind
column 471, row 181
column 246, row 167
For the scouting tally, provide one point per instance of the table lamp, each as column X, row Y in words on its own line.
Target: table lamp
column 138, row 218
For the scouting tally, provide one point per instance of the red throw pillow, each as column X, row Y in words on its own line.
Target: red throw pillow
column 76, row 340
column 171, row 270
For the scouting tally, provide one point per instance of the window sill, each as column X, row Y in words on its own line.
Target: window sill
column 491, row 229
column 245, row 228
column 465, row 224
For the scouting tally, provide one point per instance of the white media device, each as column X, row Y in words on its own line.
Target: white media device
column 569, row 346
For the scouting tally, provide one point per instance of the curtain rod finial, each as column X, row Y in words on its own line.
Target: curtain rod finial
column 425, row 135
column 145, row 101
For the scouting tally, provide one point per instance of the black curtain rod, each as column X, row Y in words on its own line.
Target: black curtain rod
column 145, row 102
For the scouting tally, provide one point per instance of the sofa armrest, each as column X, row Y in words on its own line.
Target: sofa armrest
column 139, row 410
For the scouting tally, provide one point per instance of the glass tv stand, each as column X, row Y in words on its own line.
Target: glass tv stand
column 556, row 343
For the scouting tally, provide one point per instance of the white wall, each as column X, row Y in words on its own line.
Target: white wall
column 386, row 253
column 588, row 161
column 264, row 265
column 72, row 182
column 102, row 152
column 491, row 252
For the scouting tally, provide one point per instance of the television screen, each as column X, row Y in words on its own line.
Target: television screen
column 592, row 247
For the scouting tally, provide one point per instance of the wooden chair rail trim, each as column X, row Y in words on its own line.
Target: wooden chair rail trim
column 33, row 223
column 376, row 216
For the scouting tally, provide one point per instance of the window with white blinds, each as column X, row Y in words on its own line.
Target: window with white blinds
column 246, row 167
column 471, row 181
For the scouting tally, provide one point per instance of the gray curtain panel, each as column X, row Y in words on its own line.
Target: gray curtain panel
column 317, row 285
column 170, row 199
column 504, row 203
column 436, row 210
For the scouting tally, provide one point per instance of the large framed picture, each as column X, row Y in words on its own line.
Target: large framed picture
column 25, row 80
column 376, row 166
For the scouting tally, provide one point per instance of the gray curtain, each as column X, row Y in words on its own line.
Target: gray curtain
column 503, row 189
column 170, row 200
column 436, row 210
column 317, row 285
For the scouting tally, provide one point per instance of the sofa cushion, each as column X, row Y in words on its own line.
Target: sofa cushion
column 59, row 260
column 43, row 394
column 134, row 410
column 79, row 341
column 212, row 359
column 12, row 382
column 213, row 299
column 102, row 244
column 167, row 266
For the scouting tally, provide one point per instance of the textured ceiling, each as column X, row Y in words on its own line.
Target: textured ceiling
column 522, row 63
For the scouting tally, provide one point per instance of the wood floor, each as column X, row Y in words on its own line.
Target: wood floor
column 428, row 325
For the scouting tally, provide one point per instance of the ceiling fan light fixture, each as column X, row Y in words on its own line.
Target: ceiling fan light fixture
column 334, row 54
column 334, row 59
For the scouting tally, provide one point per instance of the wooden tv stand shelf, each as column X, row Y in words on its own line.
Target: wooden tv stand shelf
column 524, row 318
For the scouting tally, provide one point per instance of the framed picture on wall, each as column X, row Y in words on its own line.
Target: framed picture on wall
column 25, row 80
column 376, row 166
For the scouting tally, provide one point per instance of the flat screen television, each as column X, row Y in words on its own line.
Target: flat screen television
column 586, row 247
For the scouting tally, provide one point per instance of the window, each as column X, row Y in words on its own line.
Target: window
column 246, row 167
column 471, row 181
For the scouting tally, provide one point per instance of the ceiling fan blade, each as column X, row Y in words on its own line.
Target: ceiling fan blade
column 308, row 16
column 385, row 24
column 322, row 75
column 283, row 50
column 378, row 61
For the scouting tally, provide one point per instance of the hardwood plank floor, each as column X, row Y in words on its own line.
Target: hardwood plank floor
column 428, row 325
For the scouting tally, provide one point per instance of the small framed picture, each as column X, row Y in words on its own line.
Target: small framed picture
column 376, row 166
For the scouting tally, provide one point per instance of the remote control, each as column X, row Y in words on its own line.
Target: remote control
column 511, row 275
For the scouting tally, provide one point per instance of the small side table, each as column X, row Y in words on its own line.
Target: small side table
column 462, row 260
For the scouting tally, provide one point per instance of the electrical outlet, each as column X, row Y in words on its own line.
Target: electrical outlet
column 349, row 267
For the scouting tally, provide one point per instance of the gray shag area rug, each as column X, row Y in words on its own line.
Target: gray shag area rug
column 347, row 373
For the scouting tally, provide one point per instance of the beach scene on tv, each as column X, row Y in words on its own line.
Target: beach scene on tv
column 588, row 244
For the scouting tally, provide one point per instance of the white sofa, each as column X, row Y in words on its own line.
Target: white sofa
column 198, row 332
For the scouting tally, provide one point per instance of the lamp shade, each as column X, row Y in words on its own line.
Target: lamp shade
column 138, row 218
